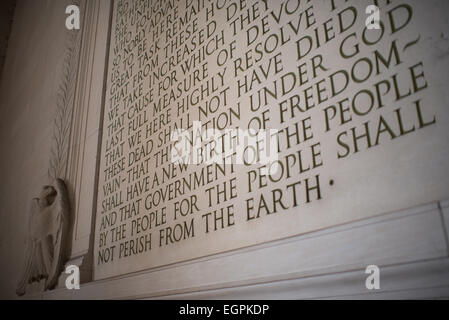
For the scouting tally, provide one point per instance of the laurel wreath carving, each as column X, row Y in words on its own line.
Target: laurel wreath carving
column 64, row 107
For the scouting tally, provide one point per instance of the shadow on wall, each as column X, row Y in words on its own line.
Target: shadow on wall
column 6, row 16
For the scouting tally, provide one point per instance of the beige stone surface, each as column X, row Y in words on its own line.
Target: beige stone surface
column 383, row 208
column 403, row 172
column 6, row 17
column 408, row 246
column 27, row 109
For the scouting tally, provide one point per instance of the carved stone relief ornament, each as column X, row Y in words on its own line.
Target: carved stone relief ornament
column 47, row 233
column 49, row 215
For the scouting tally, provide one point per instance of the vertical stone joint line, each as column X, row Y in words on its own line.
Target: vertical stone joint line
column 445, row 231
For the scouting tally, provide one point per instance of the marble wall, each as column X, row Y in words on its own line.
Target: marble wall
column 28, row 99
column 382, row 203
